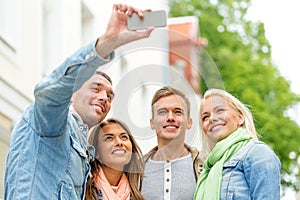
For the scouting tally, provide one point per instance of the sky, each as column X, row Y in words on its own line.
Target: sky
column 281, row 19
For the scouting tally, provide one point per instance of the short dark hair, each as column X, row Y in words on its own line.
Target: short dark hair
column 104, row 75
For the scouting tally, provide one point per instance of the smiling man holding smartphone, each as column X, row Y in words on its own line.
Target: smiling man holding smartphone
column 48, row 156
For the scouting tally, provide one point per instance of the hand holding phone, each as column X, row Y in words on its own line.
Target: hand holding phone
column 151, row 19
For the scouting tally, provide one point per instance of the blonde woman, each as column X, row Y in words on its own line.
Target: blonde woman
column 237, row 166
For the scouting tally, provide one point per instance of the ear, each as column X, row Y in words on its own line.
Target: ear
column 189, row 123
column 241, row 119
column 152, row 124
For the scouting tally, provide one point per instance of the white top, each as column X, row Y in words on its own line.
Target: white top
column 166, row 180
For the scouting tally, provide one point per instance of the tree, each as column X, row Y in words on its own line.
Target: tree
column 242, row 56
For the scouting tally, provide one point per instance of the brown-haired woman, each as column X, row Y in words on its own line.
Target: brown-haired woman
column 118, row 165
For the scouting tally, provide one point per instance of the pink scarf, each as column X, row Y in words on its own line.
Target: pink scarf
column 122, row 192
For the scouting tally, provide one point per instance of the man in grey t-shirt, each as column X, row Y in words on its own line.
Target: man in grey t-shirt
column 172, row 167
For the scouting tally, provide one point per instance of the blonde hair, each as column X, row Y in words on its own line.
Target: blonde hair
column 134, row 170
column 237, row 105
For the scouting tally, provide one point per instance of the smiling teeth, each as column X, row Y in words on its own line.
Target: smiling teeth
column 118, row 152
column 170, row 127
column 216, row 126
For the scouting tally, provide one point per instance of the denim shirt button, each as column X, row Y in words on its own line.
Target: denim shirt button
column 87, row 57
column 92, row 55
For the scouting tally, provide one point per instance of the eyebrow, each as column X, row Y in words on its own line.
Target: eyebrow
column 111, row 92
column 216, row 107
column 179, row 109
column 111, row 134
column 107, row 134
column 204, row 113
column 164, row 108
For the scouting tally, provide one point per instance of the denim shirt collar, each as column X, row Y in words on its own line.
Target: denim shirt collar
column 76, row 115
column 90, row 148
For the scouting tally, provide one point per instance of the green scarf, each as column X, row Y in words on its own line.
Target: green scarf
column 210, row 179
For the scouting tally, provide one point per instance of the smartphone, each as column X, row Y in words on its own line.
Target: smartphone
column 151, row 19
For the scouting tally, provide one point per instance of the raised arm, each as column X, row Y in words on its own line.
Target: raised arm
column 53, row 94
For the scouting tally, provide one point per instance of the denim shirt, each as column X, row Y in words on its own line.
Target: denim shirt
column 252, row 173
column 48, row 156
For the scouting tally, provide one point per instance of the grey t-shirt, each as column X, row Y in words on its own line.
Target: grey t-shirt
column 169, row 180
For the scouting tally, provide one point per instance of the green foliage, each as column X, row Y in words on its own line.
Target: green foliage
column 238, row 59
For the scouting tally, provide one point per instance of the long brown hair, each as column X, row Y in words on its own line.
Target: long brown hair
column 134, row 170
